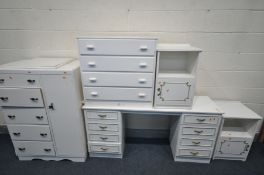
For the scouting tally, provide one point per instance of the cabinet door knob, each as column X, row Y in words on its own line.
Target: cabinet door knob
column 141, row 95
column 39, row 117
column 200, row 119
column 17, row 134
column 22, row 149
column 142, row 65
column 103, row 127
column 94, row 94
column 92, row 79
column 43, row 134
column 90, row 47
column 4, row 99
column 143, row 48
column 31, row 81
column 34, row 99
column 47, row 149
column 142, row 80
column 2, row 81
column 12, row 117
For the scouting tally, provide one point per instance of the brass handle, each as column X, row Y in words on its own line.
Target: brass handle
column 4, row 99
column 22, row 149
column 34, row 99
column 43, row 134
column 12, row 117
column 103, row 127
column 196, row 143
column 200, row 120
column 39, row 117
column 47, row 149
column 104, row 138
column 104, row 149
column 17, row 134
column 194, row 153
column 198, row 132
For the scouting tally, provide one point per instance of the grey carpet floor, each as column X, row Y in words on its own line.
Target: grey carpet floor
column 140, row 158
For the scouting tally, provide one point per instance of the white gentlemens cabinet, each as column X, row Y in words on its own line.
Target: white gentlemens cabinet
column 41, row 103
column 238, row 131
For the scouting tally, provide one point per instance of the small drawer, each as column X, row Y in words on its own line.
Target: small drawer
column 31, row 148
column 117, row 79
column 25, row 116
column 198, row 131
column 118, row 64
column 102, row 115
column 117, row 46
column 102, row 127
column 118, row 94
column 194, row 153
column 21, row 97
column 196, row 142
column 200, row 119
column 29, row 132
column 19, row 80
column 103, row 138
column 105, row 148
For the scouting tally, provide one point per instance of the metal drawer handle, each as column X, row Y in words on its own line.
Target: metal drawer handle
column 47, row 149
column 103, row 127
column 39, row 117
column 102, row 116
column 22, row 149
column 12, row 117
column 94, row 93
column 2, row 81
column 144, row 48
column 91, row 64
column 198, row 132
column 90, row 47
column 43, row 134
column 196, row 143
column 17, row 134
column 51, row 106
column 92, row 79
column 34, row 99
column 141, row 95
column 194, row 153
column 142, row 65
column 142, row 80
column 4, row 99
column 200, row 119
column 104, row 138
column 104, row 149
column 31, row 81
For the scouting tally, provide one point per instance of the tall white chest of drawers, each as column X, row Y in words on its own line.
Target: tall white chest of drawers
column 40, row 100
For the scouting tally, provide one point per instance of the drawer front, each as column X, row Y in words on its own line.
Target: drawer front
column 103, row 138
column 117, row 63
column 200, row 119
column 31, row 148
column 198, row 131
column 29, row 132
column 21, row 97
column 196, row 142
column 105, row 148
column 117, row 79
column 120, row 94
column 194, row 153
column 7, row 80
column 117, row 46
column 102, row 127
column 25, row 116
column 102, row 115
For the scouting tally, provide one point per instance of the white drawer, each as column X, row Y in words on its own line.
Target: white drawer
column 19, row 80
column 25, row 116
column 117, row 46
column 198, row 131
column 117, row 63
column 102, row 127
column 120, row 94
column 29, row 132
column 105, row 148
column 103, row 138
column 194, row 153
column 21, row 97
column 200, row 119
column 196, row 142
column 117, row 79
column 31, row 148
column 102, row 115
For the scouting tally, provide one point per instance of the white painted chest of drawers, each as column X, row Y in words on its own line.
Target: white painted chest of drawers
column 41, row 105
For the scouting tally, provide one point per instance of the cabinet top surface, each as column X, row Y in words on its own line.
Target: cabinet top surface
column 177, row 47
column 235, row 109
column 201, row 104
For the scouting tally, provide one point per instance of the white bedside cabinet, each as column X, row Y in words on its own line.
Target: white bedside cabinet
column 40, row 100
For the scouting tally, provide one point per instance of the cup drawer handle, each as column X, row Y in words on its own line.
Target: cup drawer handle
column 34, row 99
column 12, row 117
column 198, row 131
column 17, row 134
column 103, row 138
column 90, row 47
column 2, row 81
column 102, row 115
column 200, row 119
column 39, row 117
column 31, row 81
column 91, row 64
column 141, row 95
column 22, row 149
column 94, row 94
column 194, row 153
column 43, row 134
column 92, row 79
column 47, row 150
column 103, row 127
column 4, row 99
column 143, row 65
column 142, row 80
column 143, row 48
column 196, row 143
column 104, row 149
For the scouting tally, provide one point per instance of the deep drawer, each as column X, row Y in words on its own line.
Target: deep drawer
column 33, row 148
column 120, row 94
column 194, row 153
column 117, row 79
column 19, row 80
column 21, row 97
column 200, row 119
column 105, row 148
column 117, row 46
column 117, row 64
column 103, row 138
column 102, row 127
column 198, row 131
column 196, row 142
column 102, row 115
column 25, row 116
column 29, row 132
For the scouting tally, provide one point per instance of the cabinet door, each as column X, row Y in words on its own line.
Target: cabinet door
column 62, row 95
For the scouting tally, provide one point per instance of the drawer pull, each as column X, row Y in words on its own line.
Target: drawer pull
column 104, row 149
column 194, row 153
column 17, row 134
column 51, row 106
column 142, row 80
column 4, row 99
column 2, row 81
column 22, row 149
column 103, row 138
column 142, row 65
column 34, row 99
column 103, row 127
column 196, row 143
column 47, row 149
column 43, row 134
column 144, row 48
column 39, row 117
column 31, row 81
column 92, row 79
column 141, row 95
column 102, row 116
column 198, row 132
column 12, row 117
column 94, row 94
column 90, row 47
column 200, row 120
column 91, row 64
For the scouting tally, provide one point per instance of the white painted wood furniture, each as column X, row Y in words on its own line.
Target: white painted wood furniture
column 237, row 132
column 40, row 100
